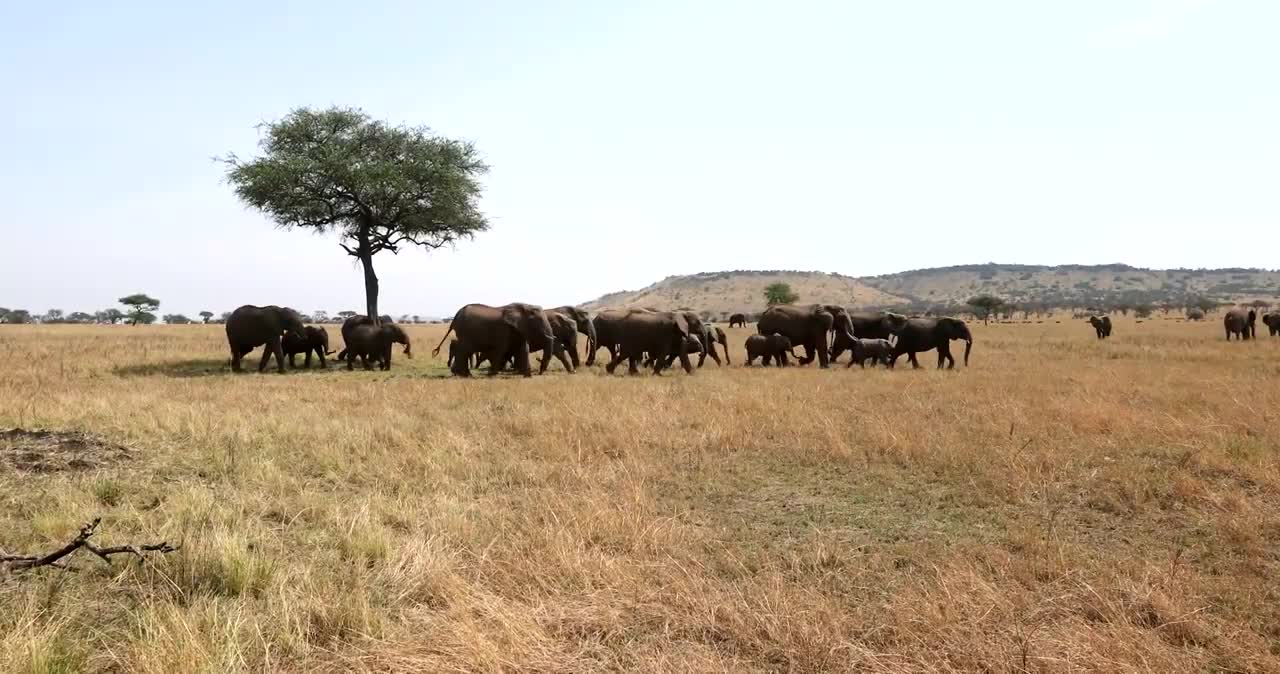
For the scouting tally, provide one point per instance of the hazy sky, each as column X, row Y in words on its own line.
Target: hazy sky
column 629, row 144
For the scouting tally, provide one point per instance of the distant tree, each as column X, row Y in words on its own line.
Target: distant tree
column 144, row 318
column 379, row 186
column 223, row 318
column 177, row 319
column 779, row 293
column 80, row 317
column 17, row 316
column 109, row 316
column 1260, row 304
column 417, row 318
column 52, row 316
column 206, row 315
column 140, row 304
column 405, row 318
column 344, row 315
column 320, row 316
column 1143, row 310
column 1204, row 304
column 984, row 305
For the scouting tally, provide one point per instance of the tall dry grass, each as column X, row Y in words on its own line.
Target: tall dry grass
column 1062, row 504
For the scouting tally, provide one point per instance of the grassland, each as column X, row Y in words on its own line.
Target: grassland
column 1062, row 504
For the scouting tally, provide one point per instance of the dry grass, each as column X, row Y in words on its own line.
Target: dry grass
column 1062, row 504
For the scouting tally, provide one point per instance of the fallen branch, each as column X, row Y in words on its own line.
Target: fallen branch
column 22, row 563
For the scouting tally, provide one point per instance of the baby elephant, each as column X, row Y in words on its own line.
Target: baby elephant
column 313, row 340
column 769, row 347
column 874, row 350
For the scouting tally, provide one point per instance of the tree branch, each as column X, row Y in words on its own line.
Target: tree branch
column 23, row 563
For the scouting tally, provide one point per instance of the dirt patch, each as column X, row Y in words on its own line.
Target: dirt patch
column 43, row 451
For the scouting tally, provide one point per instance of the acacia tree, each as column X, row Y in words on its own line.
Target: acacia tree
column 379, row 186
column 779, row 293
column 206, row 315
column 141, row 306
column 984, row 305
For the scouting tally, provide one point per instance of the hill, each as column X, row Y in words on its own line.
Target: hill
column 728, row 292
column 1063, row 285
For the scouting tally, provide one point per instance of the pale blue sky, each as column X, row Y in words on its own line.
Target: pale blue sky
column 634, row 141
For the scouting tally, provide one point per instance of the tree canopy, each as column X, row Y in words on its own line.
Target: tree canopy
column 140, row 307
column 206, row 315
column 379, row 186
column 779, row 293
column 984, row 305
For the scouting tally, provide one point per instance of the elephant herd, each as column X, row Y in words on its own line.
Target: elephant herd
column 509, row 335
column 1240, row 323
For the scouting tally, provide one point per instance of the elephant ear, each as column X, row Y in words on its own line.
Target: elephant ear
column 511, row 316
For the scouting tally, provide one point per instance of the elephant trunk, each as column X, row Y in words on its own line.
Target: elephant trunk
column 408, row 351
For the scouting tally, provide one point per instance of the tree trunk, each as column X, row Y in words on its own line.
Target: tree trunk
column 370, row 286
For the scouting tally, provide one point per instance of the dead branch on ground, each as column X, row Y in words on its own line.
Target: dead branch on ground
column 23, row 563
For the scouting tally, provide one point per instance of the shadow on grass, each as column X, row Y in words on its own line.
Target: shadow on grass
column 214, row 367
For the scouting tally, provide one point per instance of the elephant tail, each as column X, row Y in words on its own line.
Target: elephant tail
column 968, row 345
column 436, row 351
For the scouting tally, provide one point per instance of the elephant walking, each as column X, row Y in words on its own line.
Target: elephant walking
column 769, row 348
column 1101, row 324
column 925, row 334
column 1241, row 323
column 496, row 332
column 656, row 333
column 585, row 326
column 353, row 332
column 738, row 320
column 807, row 326
column 882, row 325
column 1272, row 321
column 313, row 340
column 874, row 350
column 249, row 327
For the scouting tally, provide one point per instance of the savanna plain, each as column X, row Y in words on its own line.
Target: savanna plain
column 1062, row 504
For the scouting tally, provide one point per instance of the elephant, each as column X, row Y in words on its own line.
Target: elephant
column 566, row 346
column 738, row 320
column 1102, row 324
column 349, row 328
column 657, row 333
column 496, row 332
column 1241, row 323
column 874, row 350
column 585, row 327
column 807, row 326
column 314, row 339
column 249, row 327
column 924, row 334
column 881, row 325
column 1272, row 322
column 1195, row 314
column 455, row 349
column 769, row 347
column 372, row 343
column 711, row 335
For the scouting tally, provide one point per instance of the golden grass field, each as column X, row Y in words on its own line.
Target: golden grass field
column 1062, row 504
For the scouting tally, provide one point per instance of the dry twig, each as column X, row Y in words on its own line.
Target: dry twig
column 22, row 563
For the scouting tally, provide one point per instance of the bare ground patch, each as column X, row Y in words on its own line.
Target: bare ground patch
column 47, row 451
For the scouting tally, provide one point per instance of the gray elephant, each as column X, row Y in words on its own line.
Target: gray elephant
column 715, row 335
column 1195, row 314
column 607, row 325
column 655, row 333
column 1102, row 325
column 738, row 320
column 371, row 343
column 585, row 326
column 1272, row 321
column 249, row 327
column 867, row 325
column 496, row 332
column 1241, row 323
column 313, row 340
column 926, row 334
column 874, row 350
column 769, row 348
column 807, row 326
column 566, row 345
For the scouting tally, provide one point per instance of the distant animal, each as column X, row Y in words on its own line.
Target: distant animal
column 1241, row 323
column 874, row 350
column 1195, row 314
column 1272, row 322
column 769, row 348
column 249, row 327
column 1101, row 324
column 313, row 340
column 738, row 320
column 926, row 334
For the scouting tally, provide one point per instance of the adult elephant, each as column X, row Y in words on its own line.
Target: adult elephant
column 807, row 326
column 496, row 332
column 656, row 333
column 710, row 337
column 925, row 334
column 566, row 347
column 867, row 325
column 371, row 343
column 314, row 339
column 1102, row 325
column 352, row 324
column 582, row 319
column 1241, row 323
column 249, row 327
column 738, row 320
column 1272, row 322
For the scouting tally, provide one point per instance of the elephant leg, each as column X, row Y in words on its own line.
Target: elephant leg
column 293, row 365
column 809, row 353
column 711, row 351
column 320, row 355
column 522, row 360
column 824, row 361
column 266, row 357
column 573, row 356
column 306, row 362
column 564, row 360
column 351, row 360
column 614, row 361
column 944, row 351
column 686, row 363
column 633, row 363
column 911, row 356
column 235, row 359
column 366, row 361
